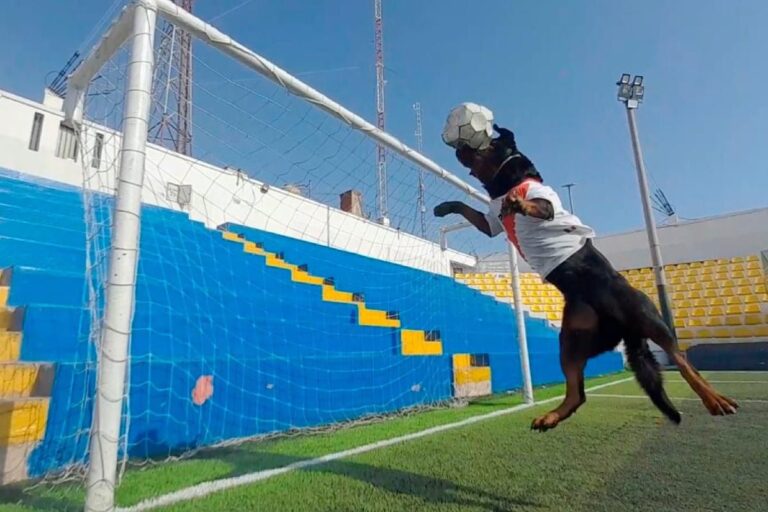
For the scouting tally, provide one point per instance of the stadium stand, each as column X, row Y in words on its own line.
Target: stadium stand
column 321, row 323
column 714, row 300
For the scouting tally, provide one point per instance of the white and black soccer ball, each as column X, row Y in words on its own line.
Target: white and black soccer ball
column 469, row 124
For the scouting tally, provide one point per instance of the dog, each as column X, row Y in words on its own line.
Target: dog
column 601, row 307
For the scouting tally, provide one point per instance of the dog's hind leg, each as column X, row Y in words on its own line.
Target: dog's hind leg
column 717, row 404
column 579, row 332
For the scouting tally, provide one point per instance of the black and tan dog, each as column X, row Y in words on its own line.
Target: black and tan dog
column 601, row 308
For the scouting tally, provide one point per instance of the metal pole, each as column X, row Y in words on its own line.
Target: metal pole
column 123, row 258
column 650, row 223
column 525, row 364
column 570, row 198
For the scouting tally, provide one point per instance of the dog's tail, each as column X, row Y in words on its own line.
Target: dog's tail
column 648, row 374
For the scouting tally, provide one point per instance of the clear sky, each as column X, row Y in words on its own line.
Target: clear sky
column 547, row 69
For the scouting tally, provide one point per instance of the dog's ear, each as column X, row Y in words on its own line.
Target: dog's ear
column 505, row 136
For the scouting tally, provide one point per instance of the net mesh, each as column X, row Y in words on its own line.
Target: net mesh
column 261, row 307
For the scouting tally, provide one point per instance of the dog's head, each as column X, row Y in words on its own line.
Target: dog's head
column 500, row 166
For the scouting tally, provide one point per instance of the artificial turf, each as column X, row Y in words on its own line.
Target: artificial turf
column 614, row 454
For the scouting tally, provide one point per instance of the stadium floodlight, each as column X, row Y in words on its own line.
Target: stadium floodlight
column 631, row 96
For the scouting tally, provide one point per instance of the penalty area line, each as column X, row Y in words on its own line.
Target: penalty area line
column 687, row 398
column 207, row 488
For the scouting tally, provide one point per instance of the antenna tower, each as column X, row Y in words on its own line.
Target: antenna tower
column 172, row 113
column 419, row 139
column 381, row 163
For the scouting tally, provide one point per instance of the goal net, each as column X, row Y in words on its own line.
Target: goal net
column 280, row 285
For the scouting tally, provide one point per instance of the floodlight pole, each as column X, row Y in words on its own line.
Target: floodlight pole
column 631, row 96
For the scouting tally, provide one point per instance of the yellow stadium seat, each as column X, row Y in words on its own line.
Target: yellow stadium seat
column 752, row 319
column 715, row 311
column 685, row 334
column 760, row 289
column 750, row 299
column 678, row 296
column 681, row 313
column 734, row 309
column 741, row 332
column 695, row 286
column 733, row 320
column 738, row 274
column 705, row 277
column 694, row 322
column 717, row 301
column 754, row 264
column 700, row 303
column 721, row 332
column 709, row 294
column 721, row 277
column 761, row 331
column 695, row 294
column 738, row 259
column 752, row 308
column 755, row 272
column 698, row 313
column 744, row 290
column 735, row 299
column 679, row 323
column 711, row 285
column 715, row 321
column 709, row 263
column 703, row 333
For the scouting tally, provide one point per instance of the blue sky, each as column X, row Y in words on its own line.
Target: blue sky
column 546, row 69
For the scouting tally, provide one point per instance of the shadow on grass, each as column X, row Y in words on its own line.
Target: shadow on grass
column 65, row 497
column 429, row 489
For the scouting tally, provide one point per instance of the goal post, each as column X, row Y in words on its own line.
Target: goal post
column 123, row 260
column 136, row 25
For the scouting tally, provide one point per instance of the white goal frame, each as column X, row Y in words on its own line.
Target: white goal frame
column 136, row 24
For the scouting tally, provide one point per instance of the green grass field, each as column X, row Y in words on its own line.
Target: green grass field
column 615, row 454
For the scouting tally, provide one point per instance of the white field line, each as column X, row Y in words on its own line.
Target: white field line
column 680, row 381
column 206, row 488
column 643, row 397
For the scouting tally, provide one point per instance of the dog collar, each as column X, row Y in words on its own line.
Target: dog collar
column 505, row 162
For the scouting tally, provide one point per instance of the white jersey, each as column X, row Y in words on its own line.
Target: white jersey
column 544, row 244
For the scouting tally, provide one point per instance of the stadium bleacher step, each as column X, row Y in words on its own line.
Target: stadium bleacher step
column 22, row 379
column 365, row 316
column 10, row 318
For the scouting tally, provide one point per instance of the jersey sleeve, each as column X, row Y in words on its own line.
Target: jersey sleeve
column 539, row 191
column 492, row 216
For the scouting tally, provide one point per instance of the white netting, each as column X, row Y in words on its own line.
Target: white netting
column 261, row 306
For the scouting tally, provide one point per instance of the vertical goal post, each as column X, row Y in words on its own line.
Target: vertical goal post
column 136, row 25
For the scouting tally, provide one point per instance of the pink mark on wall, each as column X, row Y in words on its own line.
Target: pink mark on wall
column 203, row 389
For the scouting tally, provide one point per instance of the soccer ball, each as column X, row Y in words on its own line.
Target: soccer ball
column 469, row 124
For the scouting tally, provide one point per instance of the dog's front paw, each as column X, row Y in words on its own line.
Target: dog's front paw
column 546, row 422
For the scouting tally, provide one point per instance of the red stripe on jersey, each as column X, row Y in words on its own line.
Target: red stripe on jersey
column 509, row 220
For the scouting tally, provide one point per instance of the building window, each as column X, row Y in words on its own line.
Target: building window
column 37, row 130
column 98, row 147
column 67, row 145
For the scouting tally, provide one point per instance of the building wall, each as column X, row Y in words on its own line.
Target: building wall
column 219, row 195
